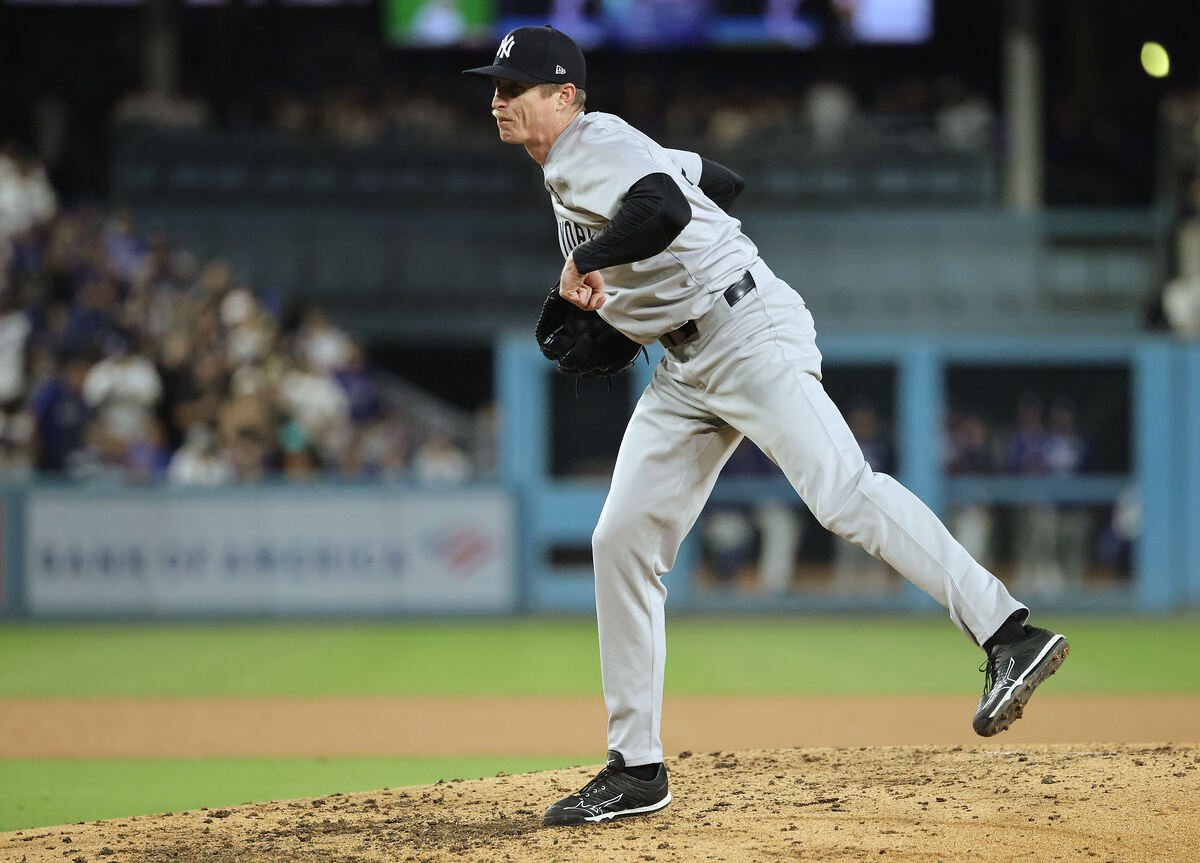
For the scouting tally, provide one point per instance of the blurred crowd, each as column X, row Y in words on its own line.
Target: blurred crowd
column 827, row 116
column 123, row 358
column 1039, row 547
column 1051, row 547
column 1042, row 439
column 1177, row 306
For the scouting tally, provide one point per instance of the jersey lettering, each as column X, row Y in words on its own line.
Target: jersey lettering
column 571, row 235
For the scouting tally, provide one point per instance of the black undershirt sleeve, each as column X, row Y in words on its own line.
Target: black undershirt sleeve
column 652, row 214
column 720, row 184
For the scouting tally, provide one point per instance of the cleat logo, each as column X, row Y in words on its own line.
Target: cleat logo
column 595, row 809
column 1002, row 681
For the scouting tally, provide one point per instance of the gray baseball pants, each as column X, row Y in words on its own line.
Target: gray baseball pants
column 753, row 370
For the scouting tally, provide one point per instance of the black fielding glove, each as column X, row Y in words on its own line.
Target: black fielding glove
column 582, row 343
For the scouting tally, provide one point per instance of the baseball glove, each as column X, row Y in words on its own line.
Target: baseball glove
column 582, row 343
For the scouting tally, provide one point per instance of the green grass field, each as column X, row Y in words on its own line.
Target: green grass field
column 35, row 792
column 538, row 657
column 560, row 657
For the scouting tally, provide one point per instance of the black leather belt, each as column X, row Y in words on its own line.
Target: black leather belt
column 689, row 331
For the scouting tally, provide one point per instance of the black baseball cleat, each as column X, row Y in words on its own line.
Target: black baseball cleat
column 1012, row 671
column 614, row 793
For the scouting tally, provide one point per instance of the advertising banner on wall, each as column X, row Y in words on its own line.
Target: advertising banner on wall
column 271, row 552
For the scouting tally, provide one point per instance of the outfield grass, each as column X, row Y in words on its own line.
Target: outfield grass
column 35, row 793
column 560, row 657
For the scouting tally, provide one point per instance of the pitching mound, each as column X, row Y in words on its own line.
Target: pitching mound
column 1043, row 803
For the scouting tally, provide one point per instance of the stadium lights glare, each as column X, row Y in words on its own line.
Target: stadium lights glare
column 1155, row 60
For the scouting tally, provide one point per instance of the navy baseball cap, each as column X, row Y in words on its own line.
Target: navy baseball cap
column 537, row 55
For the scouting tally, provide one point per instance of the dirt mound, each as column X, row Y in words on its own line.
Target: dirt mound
column 989, row 803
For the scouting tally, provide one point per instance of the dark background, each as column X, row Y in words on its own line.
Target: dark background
column 1099, row 107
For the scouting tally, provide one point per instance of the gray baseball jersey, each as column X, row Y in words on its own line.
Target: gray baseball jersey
column 750, row 369
column 588, row 171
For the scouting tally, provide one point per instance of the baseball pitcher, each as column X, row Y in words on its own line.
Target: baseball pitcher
column 653, row 255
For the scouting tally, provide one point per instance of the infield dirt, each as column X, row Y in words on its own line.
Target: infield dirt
column 1122, row 803
column 801, row 786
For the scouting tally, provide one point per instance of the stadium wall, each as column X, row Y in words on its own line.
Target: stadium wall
column 262, row 552
column 1163, row 476
column 338, row 550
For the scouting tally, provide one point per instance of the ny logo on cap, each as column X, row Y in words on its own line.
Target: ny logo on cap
column 506, row 47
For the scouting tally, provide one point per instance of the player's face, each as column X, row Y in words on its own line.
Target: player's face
column 524, row 112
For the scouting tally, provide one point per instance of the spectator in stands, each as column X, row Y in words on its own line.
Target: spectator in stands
column 904, row 104
column 194, row 383
column 92, row 317
column 348, row 119
column 27, row 200
column 190, row 359
column 969, row 450
column 364, row 397
column 410, row 116
column 1181, row 296
column 123, row 390
column 292, row 115
column 485, row 429
column 101, row 459
column 387, row 444
column 249, row 454
column 1026, row 450
column 830, row 113
column 248, row 432
column 17, row 425
column 17, row 457
column 1049, row 541
column 14, row 337
column 1114, row 546
column 61, row 415
column 772, row 526
column 780, row 524
column 300, row 460
column 148, row 457
column 439, row 461
column 48, row 340
column 250, row 332
column 1068, row 454
column 321, row 344
column 1034, row 532
column 163, row 110
column 313, row 399
column 964, row 120
column 174, row 278
column 353, row 464
column 729, row 533
column 854, row 569
column 301, row 464
column 729, row 542
column 199, row 461
column 969, row 445
column 123, row 249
